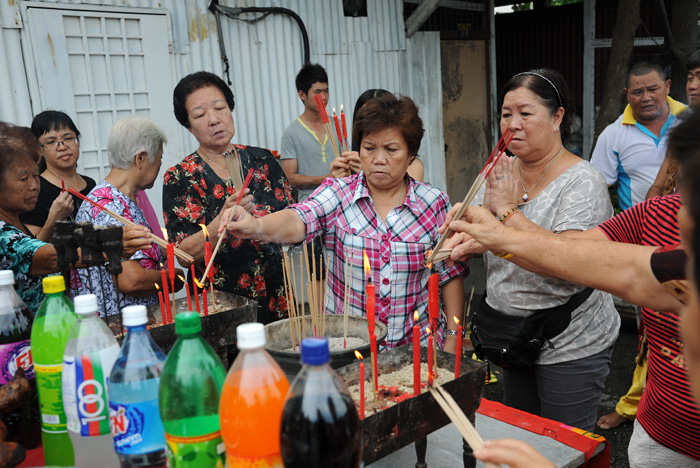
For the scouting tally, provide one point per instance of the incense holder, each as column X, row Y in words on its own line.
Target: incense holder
column 413, row 419
column 279, row 342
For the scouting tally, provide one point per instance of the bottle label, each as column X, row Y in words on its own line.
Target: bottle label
column 84, row 385
column 48, row 383
column 203, row 451
column 136, row 427
column 12, row 357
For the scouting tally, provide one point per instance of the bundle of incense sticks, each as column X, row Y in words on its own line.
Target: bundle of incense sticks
column 288, row 276
column 476, row 186
column 460, row 420
column 346, row 285
column 248, row 178
column 321, row 108
column 235, row 169
column 185, row 257
column 314, row 290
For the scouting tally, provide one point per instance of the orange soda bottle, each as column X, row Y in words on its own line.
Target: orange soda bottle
column 252, row 400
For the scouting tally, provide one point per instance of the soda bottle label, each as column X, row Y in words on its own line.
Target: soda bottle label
column 48, row 383
column 85, row 391
column 205, row 451
column 12, row 357
column 136, row 427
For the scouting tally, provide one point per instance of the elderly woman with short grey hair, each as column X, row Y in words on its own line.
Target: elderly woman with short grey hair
column 135, row 149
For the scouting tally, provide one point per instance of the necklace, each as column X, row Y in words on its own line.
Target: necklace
column 60, row 179
column 211, row 163
column 520, row 176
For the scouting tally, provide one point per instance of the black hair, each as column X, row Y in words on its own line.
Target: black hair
column 49, row 120
column 684, row 146
column 361, row 101
column 693, row 61
column 550, row 87
column 192, row 83
column 309, row 74
column 642, row 68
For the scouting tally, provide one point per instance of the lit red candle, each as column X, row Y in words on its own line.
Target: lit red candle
column 345, row 127
column 195, row 293
column 337, row 127
column 434, row 299
column 362, row 384
column 166, row 296
column 458, row 350
column 160, row 300
column 430, row 356
column 187, row 289
column 416, row 354
column 207, row 251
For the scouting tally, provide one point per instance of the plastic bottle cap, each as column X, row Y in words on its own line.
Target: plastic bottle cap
column 188, row 323
column 315, row 351
column 7, row 277
column 53, row 284
column 85, row 304
column 134, row 315
column 250, row 335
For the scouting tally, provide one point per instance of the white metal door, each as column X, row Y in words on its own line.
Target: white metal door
column 98, row 67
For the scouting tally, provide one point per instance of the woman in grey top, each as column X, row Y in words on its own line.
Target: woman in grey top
column 547, row 187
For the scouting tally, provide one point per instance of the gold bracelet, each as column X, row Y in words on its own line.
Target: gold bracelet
column 507, row 215
column 503, row 255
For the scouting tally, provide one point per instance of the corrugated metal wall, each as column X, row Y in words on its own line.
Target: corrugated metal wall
column 358, row 53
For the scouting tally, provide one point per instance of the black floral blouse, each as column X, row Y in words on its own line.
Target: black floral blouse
column 194, row 194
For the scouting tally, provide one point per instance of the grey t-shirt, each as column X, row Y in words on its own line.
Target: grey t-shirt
column 313, row 157
column 576, row 200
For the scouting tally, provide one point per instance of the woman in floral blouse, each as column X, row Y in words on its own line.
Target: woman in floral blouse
column 196, row 191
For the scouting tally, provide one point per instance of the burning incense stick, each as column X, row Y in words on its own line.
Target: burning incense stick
column 460, row 420
column 345, row 299
column 248, row 178
column 185, row 257
column 476, row 186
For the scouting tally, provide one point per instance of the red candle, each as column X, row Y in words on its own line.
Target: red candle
column 63, row 186
column 434, row 299
column 337, row 127
column 207, row 257
column 430, row 356
column 416, row 355
column 171, row 264
column 166, row 296
column 194, row 288
column 362, row 384
column 458, row 350
column 160, row 300
column 204, row 301
column 345, row 128
column 370, row 293
column 187, row 289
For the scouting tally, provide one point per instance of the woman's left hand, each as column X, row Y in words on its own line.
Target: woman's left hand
column 61, row 207
column 248, row 203
column 135, row 238
column 501, row 189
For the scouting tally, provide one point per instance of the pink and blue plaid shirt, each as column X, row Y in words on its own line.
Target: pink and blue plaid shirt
column 342, row 213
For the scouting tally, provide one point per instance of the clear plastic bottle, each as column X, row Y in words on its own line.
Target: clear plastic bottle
column 134, row 415
column 189, row 392
column 320, row 425
column 23, row 423
column 53, row 323
column 87, row 362
column 251, row 403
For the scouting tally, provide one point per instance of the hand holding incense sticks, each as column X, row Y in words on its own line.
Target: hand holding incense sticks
column 476, row 186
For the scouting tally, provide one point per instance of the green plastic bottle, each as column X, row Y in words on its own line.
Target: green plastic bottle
column 188, row 397
column 52, row 325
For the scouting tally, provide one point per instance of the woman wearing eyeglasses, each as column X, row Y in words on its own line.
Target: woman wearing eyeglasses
column 60, row 147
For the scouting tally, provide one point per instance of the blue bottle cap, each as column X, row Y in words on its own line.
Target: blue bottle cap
column 315, row 351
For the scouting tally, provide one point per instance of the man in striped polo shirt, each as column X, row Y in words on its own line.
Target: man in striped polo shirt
column 630, row 151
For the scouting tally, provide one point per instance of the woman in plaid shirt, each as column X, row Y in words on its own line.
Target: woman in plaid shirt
column 383, row 211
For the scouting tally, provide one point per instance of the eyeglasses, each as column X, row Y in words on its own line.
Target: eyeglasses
column 56, row 143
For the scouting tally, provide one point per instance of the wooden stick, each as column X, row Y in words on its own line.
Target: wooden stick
column 248, row 178
column 290, row 315
column 460, row 420
column 296, row 297
column 345, row 300
column 301, row 278
column 181, row 254
column 476, row 186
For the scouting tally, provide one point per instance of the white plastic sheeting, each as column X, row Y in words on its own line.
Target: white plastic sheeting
column 358, row 53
